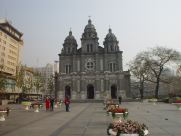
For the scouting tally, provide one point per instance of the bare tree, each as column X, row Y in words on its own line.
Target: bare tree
column 20, row 73
column 51, row 84
column 2, row 79
column 38, row 82
column 139, row 69
column 157, row 59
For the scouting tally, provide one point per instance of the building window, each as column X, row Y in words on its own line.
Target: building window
column 112, row 49
column 67, row 69
column 91, row 48
column 112, row 67
column 87, row 47
column 90, row 65
column 68, row 49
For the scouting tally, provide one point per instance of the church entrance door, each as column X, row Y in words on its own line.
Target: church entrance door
column 67, row 91
column 113, row 92
column 90, row 92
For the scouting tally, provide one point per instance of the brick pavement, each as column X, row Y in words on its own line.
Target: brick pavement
column 89, row 119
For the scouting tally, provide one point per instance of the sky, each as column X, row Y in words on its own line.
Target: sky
column 137, row 24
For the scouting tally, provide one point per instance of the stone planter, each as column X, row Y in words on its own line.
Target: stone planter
column 2, row 118
column 36, row 107
column 26, row 104
column 153, row 101
column 115, row 133
column 112, row 133
column 119, row 116
column 178, row 105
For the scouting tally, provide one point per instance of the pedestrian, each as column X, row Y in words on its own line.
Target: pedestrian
column 52, row 104
column 120, row 99
column 47, row 104
column 67, row 103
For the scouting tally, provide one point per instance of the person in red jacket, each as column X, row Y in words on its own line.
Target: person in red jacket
column 67, row 103
column 47, row 104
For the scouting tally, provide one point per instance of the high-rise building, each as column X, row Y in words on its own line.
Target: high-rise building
column 11, row 44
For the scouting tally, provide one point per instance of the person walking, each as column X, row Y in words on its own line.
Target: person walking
column 120, row 99
column 47, row 104
column 52, row 104
column 67, row 103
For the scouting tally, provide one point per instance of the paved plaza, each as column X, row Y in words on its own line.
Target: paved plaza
column 89, row 119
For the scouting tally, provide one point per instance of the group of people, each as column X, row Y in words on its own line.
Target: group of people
column 49, row 103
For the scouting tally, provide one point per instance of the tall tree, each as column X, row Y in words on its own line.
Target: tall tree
column 2, row 79
column 139, row 69
column 51, row 84
column 157, row 59
column 38, row 82
column 20, row 73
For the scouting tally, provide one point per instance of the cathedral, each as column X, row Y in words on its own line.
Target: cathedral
column 92, row 71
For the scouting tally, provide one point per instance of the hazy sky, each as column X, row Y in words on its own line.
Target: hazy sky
column 137, row 24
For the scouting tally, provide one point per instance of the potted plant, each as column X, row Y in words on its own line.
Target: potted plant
column 177, row 103
column 127, row 128
column 3, row 110
column 26, row 104
column 119, row 113
column 153, row 100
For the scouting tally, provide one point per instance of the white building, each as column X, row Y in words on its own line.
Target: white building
column 47, row 73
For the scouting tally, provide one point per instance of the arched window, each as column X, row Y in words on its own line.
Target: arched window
column 91, row 48
column 68, row 49
column 87, row 47
column 112, row 67
column 67, row 69
column 112, row 48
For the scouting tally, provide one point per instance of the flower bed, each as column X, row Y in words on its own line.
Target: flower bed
column 152, row 100
column 111, row 106
column 177, row 101
column 127, row 128
column 121, row 113
column 40, row 105
column 26, row 104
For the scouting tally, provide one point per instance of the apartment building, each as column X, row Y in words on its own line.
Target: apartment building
column 11, row 44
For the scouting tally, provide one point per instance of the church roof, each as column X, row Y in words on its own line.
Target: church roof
column 89, row 27
column 110, row 37
column 70, row 39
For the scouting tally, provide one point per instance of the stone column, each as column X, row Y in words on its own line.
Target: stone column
column 78, row 89
column 97, row 90
column 60, row 93
column 82, row 92
column 78, row 65
column 74, row 89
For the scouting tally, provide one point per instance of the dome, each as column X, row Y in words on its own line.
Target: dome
column 89, row 27
column 70, row 39
column 110, row 37
column 89, row 31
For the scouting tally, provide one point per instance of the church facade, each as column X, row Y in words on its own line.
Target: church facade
column 92, row 71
